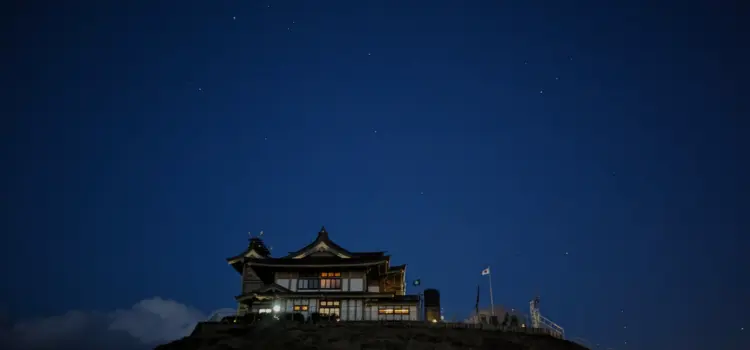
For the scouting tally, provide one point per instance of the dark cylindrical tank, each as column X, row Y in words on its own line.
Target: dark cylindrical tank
column 431, row 297
column 431, row 305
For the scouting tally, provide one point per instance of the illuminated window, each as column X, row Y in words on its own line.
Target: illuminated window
column 265, row 311
column 329, row 307
column 330, row 274
column 393, row 310
column 323, row 280
column 330, row 283
column 300, row 308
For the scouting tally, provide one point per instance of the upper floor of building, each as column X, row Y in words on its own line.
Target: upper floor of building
column 321, row 266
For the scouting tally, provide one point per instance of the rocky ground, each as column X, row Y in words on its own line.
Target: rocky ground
column 373, row 336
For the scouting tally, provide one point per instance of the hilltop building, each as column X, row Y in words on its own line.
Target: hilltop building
column 324, row 277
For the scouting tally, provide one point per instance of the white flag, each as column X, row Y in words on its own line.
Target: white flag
column 486, row 271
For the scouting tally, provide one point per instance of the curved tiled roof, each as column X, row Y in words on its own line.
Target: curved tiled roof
column 319, row 261
column 323, row 238
column 255, row 244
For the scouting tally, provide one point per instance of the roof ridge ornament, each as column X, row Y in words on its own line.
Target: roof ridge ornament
column 257, row 244
column 250, row 234
column 323, row 233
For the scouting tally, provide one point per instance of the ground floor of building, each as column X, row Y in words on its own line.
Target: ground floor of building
column 345, row 309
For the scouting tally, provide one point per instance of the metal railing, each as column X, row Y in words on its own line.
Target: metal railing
column 553, row 327
column 217, row 317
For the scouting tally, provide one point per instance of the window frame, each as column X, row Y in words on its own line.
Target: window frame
column 402, row 310
column 320, row 281
column 329, row 307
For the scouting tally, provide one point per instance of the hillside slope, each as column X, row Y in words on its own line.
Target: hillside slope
column 371, row 336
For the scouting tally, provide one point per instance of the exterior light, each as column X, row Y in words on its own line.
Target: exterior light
column 276, row 308
column 434, row 320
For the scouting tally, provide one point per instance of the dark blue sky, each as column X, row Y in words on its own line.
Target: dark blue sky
column 144, row 139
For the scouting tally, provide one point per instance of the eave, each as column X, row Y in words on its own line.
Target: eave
column 397, row 269
column 248, row 253
column 353, row 295
column 341, row 263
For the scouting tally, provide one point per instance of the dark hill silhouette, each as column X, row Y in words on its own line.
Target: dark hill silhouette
column 287, row 335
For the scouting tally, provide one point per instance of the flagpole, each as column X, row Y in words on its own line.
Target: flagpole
column 476, row 307
column 492, row 302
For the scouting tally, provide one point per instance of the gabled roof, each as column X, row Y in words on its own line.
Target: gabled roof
column 255, row 249
column 273, row 287
column 323, row 242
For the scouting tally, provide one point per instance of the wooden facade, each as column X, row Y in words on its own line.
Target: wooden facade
column 325, row 278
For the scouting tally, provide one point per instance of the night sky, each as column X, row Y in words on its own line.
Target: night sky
column 590, row 152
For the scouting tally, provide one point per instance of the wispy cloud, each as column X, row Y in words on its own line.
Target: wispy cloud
column 144, row 325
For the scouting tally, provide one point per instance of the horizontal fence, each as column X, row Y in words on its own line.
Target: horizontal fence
column 407, row 324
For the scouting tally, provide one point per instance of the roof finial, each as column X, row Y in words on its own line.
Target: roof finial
column 323, row 233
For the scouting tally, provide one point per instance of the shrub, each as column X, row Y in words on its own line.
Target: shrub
column 506, row 320
column 513, row 322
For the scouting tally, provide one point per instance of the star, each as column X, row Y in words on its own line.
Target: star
column 566, row 253
column 288, row 29
column 375, row 131
column 557, row 78
column 625, row 327
column 421, row 192
column 525, row 62
column 369, row 54
column 541, row 91
column 265, row 139
column 200, row 89
column 234, row 18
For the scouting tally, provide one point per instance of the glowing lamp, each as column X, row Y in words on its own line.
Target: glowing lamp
column 276, row 308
